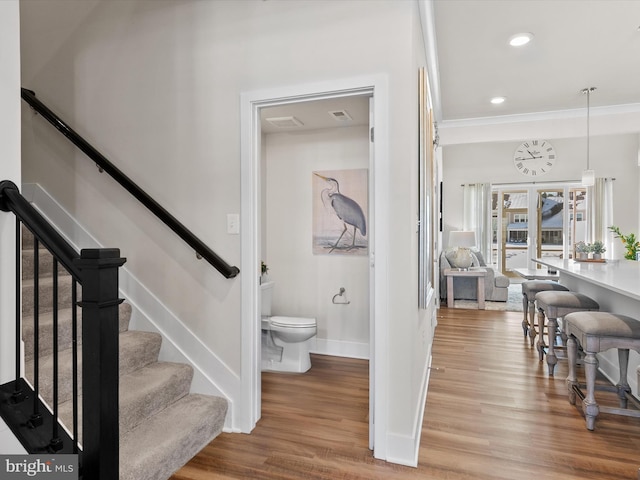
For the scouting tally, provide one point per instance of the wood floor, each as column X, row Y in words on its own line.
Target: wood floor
column 492, row 413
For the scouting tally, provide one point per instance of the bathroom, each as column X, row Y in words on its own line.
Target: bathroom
column 331, row 286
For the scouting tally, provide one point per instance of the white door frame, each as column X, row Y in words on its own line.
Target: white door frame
column 248, row 412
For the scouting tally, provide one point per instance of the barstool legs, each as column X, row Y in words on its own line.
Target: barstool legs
column 541, row 344
column 532, row 330
column 552, row 360
column 572, row 379
column 589, row 404
column 623, row 386
column 525, row 321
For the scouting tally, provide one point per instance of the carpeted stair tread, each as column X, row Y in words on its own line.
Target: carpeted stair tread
column 143, row 393
column 45, row 294
column 162, row 426
column 171, row 437
column 45, row 264
column 45, row 321
column 137, row 349
column 148, row 390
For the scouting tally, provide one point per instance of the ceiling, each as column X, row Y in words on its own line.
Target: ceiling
column 576, row 44
column 316, row 114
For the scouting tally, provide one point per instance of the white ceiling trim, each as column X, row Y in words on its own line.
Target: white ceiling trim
column 427, row 21
column 610, row 120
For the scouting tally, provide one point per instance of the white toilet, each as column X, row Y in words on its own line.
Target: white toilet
column 286, row 341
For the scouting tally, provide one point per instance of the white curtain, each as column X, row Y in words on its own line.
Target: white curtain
column 477, row 215
column 600, row 212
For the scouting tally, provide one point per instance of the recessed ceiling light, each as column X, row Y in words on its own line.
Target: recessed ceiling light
column 520, row 39
column 498, row 100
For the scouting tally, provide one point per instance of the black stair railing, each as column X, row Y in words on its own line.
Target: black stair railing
column 201, row 249
column 35, row 424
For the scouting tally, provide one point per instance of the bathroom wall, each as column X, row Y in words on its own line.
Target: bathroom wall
column 306, row 283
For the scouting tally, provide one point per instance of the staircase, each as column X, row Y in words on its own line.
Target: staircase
column 162, row 426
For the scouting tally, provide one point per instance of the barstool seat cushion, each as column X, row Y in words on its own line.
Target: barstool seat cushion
column 592, row 329
column 552, row 300
column 531, row 287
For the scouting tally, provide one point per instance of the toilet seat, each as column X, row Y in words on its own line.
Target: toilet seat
column 292, row 322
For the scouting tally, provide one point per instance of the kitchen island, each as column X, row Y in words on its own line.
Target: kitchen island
column 615, row 285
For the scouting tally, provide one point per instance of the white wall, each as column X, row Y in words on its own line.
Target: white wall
column 155, row 85
column 9, row 170
column 610, row 156
column 306, row 283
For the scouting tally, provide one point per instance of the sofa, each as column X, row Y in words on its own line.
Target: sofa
column 496, row 284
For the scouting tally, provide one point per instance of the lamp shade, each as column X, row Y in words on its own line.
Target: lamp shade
column 460, row 238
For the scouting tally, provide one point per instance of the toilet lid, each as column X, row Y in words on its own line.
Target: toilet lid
column 293, row 322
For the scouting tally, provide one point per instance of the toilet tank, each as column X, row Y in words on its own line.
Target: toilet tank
column 266, row 294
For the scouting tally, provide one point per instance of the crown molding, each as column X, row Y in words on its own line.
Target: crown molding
column 606, row 120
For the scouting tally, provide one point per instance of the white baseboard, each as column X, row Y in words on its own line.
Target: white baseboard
column 339, row 348
column 149, row 313
column 404, row 449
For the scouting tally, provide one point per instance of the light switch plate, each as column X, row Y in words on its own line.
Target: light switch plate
column 233, row 223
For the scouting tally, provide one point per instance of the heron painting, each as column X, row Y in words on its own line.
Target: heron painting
column 339, row 212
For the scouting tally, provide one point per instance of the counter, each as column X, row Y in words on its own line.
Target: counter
column 615, row 285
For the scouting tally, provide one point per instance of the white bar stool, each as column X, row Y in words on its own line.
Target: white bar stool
column 597, row 332
column 529, row 290
column 556, row 305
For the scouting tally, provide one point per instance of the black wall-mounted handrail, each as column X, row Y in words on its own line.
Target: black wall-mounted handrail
column 194, row 242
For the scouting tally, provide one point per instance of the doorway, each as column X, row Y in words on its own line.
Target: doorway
column 535, row 221
column 252, row 104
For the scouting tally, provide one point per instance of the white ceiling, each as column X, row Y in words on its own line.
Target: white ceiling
column 576, row 44
column 315, row 115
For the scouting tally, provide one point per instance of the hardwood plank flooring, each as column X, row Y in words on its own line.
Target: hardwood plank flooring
column 492, row 413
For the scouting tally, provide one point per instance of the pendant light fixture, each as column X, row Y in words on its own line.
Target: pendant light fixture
column 588, row 175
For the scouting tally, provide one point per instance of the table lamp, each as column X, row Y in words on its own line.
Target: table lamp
column 459, row 255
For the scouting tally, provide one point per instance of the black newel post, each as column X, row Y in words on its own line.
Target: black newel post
column 100, row 362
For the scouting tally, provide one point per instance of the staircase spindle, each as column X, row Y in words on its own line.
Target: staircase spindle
column 36, row 417
column 74, row 353
column 18, row 394
column 56, row 442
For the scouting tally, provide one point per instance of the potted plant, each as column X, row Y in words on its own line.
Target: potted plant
column 631, row 244
column 598, row 249
column 264, row 269
column 582, row 250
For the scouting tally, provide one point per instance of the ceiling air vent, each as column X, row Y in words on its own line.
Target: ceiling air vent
column 340, row 115
column 284, row 122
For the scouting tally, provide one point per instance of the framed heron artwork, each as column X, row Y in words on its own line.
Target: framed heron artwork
column 340, row 212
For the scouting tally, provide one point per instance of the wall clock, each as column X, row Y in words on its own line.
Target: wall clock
column 534, row 158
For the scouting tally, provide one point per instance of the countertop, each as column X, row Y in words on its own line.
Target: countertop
column 622, row 276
